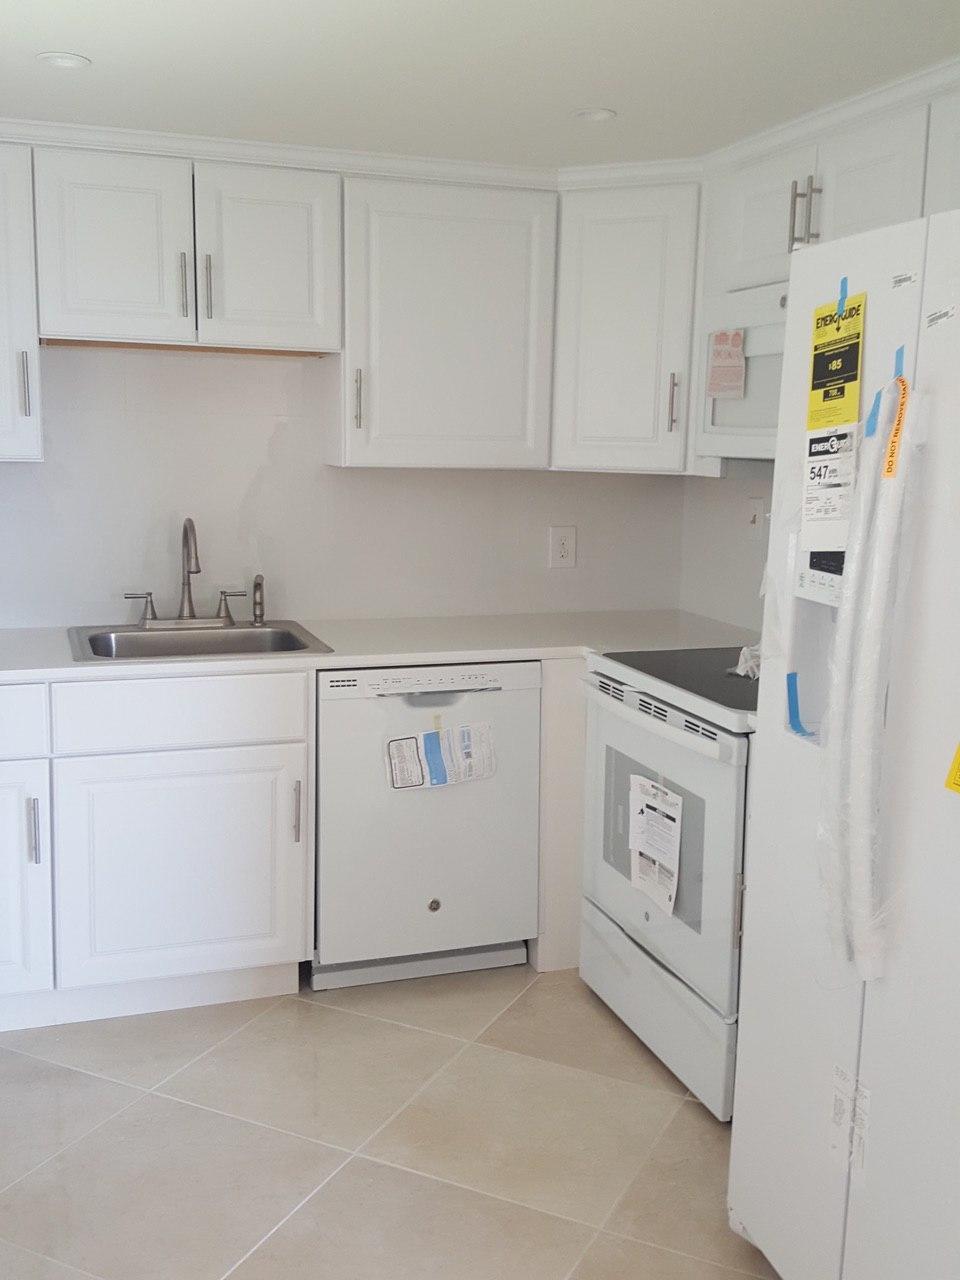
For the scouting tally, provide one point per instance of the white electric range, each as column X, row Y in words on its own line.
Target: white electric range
column 667, row 750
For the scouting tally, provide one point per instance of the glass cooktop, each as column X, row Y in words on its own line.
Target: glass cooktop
column 705, row 672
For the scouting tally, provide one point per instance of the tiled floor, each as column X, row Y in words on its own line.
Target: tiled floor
column 468, row 1127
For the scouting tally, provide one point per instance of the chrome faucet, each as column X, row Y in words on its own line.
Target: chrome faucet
column 191, row 564
column 258, row 600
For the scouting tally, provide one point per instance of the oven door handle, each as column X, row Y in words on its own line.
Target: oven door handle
column 727, row 749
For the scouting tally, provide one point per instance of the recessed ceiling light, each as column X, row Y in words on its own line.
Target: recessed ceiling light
column 595, row 115
column 65, row 61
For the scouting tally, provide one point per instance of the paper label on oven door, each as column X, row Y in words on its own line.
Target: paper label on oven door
column 656, row 817
column 441, row 757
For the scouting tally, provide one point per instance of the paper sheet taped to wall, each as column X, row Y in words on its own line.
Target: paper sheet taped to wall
column 656, row 816
column 441, row 757
column 727, row 368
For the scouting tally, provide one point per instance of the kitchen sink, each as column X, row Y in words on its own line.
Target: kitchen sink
column 195, row 639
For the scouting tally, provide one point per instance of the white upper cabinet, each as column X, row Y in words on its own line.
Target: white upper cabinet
column 943, row 157
column 449, row 322
column 26, row 911
column 268, row 257
column 871, row 175
column 20, row 436
column 754, row 217
column 115, row 246
column 624, row 314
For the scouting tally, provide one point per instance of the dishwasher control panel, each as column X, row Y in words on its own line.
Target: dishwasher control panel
column 387, row 682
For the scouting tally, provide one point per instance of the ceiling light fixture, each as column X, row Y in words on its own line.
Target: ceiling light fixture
column 65, row 61
column 595, row 115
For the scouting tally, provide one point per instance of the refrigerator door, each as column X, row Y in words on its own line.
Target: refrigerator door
column 903, row 1219
column 800, row 1005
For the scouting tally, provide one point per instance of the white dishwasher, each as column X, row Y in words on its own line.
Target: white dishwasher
column 427, row 819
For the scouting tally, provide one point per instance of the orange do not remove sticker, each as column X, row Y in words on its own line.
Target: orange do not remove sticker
column 953, row 777
column 896, row 435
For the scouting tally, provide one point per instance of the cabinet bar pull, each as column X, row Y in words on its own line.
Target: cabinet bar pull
column 809, row 235
column 33, row 829
column 208, row 279
column 297, row 806
column 792, row 220
column 184, row 301
column 24, row 362
column 672, row 403
column 358, row 411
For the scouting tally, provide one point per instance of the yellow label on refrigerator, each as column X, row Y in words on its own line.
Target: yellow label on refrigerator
column 836, row 363
column 953, row 777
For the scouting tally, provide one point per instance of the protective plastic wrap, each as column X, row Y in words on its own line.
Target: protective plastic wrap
column 851, row 862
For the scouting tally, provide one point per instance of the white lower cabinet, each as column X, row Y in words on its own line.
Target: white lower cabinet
column 26, row 921
column 180, row 862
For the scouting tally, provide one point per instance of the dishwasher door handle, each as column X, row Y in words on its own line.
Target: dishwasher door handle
column 432, row 693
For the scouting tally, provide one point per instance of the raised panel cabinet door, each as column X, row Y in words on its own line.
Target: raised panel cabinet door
column 943, row 156
column 449, row 317
column 872, row 175
column 752, row 221
column 268, row 257
column 179, row 862
column 115, row 246
column 20, row 435
column 624, row 314
column 26, row 928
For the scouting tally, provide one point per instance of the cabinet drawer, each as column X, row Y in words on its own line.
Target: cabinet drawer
column 23, row 721
column 200, row 711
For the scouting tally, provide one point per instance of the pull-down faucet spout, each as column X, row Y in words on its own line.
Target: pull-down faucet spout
column 190, row 564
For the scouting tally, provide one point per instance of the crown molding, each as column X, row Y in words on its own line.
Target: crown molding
column 283, row 155
column 593, row 176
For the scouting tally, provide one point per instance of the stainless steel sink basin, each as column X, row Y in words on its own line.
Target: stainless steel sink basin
column 194, row 639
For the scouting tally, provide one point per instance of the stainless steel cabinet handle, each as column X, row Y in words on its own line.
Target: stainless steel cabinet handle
column 809, row 235
column 24, row 361
column 358, row 411
column 208, row 280
column 792, row 219
column 672, row 402
column 184, row 300
column 33, row 830
column 297, row 807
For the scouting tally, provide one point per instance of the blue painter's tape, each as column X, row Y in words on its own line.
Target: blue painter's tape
column 898, row 363
column 842, row 301
column 793, row 706
column 870, row 429
column 434, row 758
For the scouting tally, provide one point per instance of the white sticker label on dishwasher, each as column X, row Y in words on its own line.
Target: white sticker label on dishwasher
column 656, row 817
column 441, row 757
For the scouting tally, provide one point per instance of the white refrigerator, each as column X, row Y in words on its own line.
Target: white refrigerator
column 846, row 1133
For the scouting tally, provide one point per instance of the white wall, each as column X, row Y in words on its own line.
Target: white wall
column 136, row 440
column 722, row 555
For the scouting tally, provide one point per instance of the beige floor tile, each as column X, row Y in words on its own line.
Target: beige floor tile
column 374, row 1223
column 679, row 1197
column 140, row 1050
column 19, row 1264
column 457, row 1004
column 549, row 1137
column 43, row 1107
column 163, row 1192
column 560, row 1019
column 319, row 1072
column 613, row 1259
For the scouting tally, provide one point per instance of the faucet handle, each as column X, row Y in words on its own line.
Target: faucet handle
column 223, row 608
column 149, row 612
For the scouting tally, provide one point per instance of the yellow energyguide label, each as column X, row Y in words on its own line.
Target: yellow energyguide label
column 836, row 363
column 953, row 777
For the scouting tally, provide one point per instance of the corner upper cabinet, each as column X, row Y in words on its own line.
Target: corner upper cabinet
column 624, row 314
column 20, row 436
column 943, row 157
column 449, row 321
column 268, row 257
column 115, row 246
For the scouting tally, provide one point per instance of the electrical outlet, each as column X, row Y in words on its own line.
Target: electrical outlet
column 561, row 546
column 757, row 517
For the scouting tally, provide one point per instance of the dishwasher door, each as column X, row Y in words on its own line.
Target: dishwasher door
column 415, row 869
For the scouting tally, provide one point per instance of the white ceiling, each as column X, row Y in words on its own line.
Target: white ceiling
column 491, row 80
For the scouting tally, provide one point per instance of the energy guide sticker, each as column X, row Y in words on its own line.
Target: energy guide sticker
column 953, row 777
column 441, row 757
column 834, row 399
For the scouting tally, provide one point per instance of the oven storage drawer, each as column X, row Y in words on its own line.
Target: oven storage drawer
column 687, row 1035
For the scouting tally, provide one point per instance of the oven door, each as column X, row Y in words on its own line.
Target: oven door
column 699, row 942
